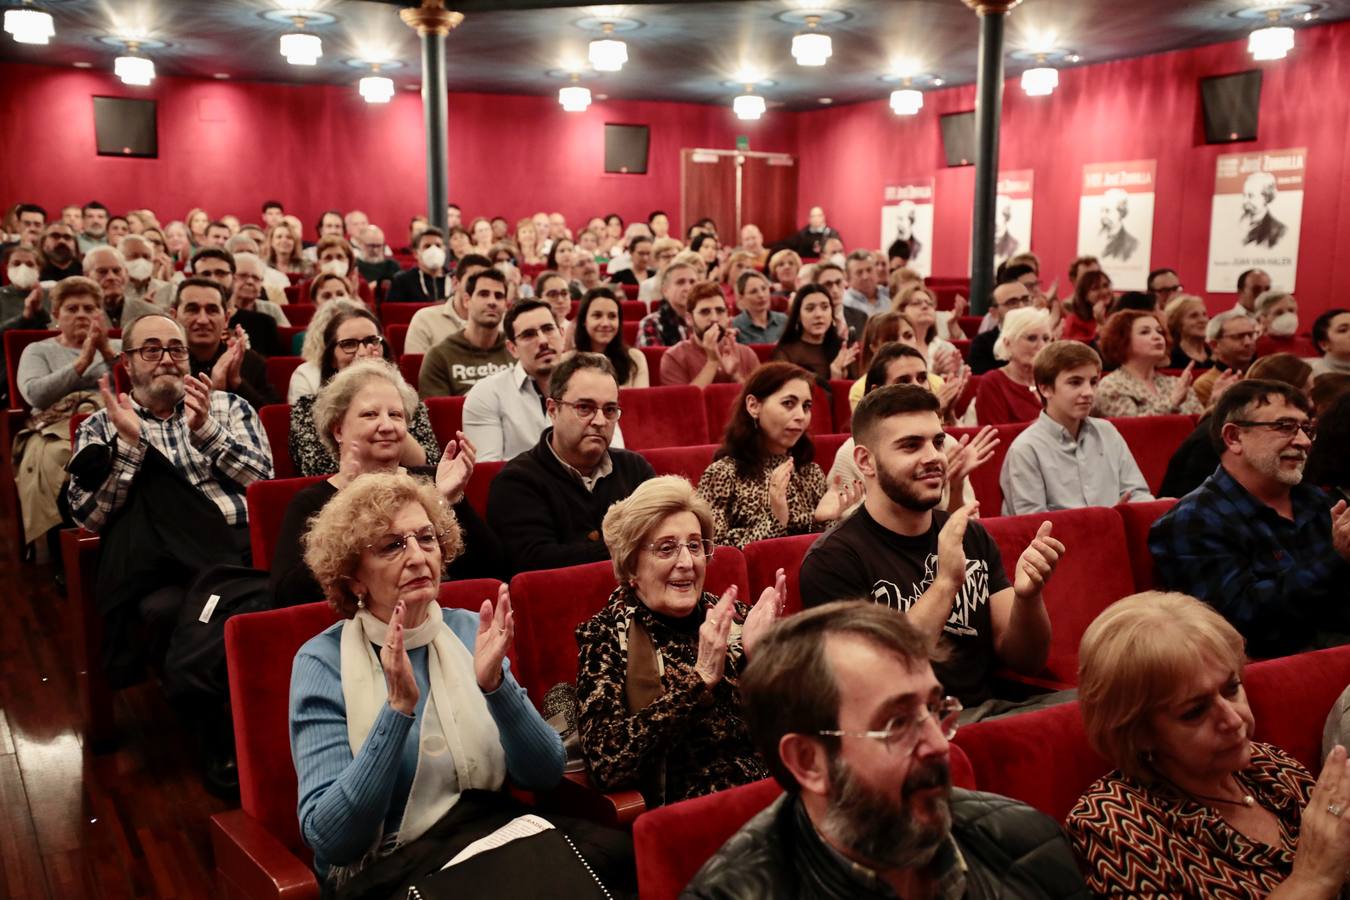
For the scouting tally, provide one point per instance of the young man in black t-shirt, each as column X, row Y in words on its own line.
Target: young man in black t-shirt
column 942, row 571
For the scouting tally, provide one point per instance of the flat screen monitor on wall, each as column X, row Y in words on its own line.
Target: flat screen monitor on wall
column 1231, row 106
column 626, row 149
column 958, row 138
column 125, row 127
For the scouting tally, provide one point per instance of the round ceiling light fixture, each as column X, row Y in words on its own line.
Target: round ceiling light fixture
column 29, row 25
column 299, row 47
column 1040, row 81
column 376, row 88
column 812, row 47
column 1272, row 42
column 607, row 54
column 574, row 97
column 748, row 106
column 906, row 101
column 133, row 69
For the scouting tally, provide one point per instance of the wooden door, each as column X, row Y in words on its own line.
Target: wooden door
column 708, row 188
column 769, row 196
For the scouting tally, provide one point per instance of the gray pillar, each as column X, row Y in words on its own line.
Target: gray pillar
column 988, row 113
column 432, row 23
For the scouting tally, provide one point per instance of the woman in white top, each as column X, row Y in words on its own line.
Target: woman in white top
column 920, row 307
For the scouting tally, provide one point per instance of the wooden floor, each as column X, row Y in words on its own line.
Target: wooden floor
column 128, row 823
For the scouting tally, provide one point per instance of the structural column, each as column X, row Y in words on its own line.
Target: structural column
column 988, row 115
column 433, row 22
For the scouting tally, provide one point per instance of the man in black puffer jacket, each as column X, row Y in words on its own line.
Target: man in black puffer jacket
column 843, row 705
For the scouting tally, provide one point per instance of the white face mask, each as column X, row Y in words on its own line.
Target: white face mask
column 139, row 269
column 433, row 257
column 336, row 267
column 1284, row 325
column 838, row 260
column 22, row 275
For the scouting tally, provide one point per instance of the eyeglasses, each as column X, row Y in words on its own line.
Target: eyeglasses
column 1016, row 302
column 154, row 352
column 902, row 733
column 1167, row 290
column 530, row 334
column 670, row 548
column 350, row 345
column 585, row 410
column 556, row 294
column 392, row 546
column 1284, row 427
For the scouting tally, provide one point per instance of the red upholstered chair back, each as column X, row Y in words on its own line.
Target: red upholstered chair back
column 397, row 336
column 633, row 310
column 840, row 410
column 970, row 325
column 279, row 372
column 1152, row 441
column 719, row 401
column 410, row 367
column 447, row 417
column 292, row 293
column 688, row 462
column 673, row 842
column 276, row 420
column 967, row 395
column 666, row 416
column 653, row 355
column 1041, row 758
column 1092, row 574
column 300, row 313
column 1138, row 519
column 400, row 313
column 259, row 650
column 550, row 605
column 267, row 502
column 763, row 351
column 290, row 338
column 15, row 342
column 827, row 446
column 477, row 490
column 1300, row 345
column 962, row 347
column 631, row 291
column 1290, row 698
column 630, row 332
column 984, row 480
column 763, row 559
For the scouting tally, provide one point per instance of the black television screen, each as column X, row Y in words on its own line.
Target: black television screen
column 626, row 149
column 126, row 127
column 1231, row 106
column 958, row 138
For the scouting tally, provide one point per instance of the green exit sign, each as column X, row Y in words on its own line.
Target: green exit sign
column 742, row 142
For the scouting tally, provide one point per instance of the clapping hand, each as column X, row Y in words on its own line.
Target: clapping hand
column 1340, row 529
column 947, row 362
column 968, row 454
column 1178, row 395
column 121, row 412
column 764, row 613
column 197, row 400
column 398, row 674
column 1323, row 852
column 953, row 388
column 834, row 503
column 32, row 303
column 1037, row 563
column 843, row 359
column 778, row 488
column 1223, row 382
column 726, row 352
column 712, row 639
column 496, row 631
column 455, row 467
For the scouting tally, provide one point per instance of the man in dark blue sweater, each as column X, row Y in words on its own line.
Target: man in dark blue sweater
column 547, row 504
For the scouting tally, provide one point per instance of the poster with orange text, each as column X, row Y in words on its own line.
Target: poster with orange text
column 1115, row 219
column 1256, row 217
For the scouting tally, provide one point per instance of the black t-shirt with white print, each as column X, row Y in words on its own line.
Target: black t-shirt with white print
column 862, row 558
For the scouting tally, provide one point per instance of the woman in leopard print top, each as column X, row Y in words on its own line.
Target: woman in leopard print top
column 763, row 483
column 658, row 704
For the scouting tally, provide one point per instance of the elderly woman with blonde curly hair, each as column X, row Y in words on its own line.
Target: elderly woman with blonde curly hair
column 405, row 719
column 1195, row 807
column 658, row 707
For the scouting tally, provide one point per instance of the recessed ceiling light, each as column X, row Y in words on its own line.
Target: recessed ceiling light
column 1074, row 58
column 602, row 96
column 83, row 65
column 938, row 82
column 222, row 76
column 412, row 87
column 826, row 101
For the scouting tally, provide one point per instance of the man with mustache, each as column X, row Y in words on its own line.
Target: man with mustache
column 942, row 571
column 61, row 252
column 1253, row 540
column 843, row 705
column 547, row 504
column 1258, row 192
column 1120, row 244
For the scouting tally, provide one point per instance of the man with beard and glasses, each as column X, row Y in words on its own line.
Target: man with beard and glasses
column 844, row 707
column 1253, row 540
column 62, row 254
column 942, row 571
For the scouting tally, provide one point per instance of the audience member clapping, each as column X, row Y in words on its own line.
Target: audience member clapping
column 1187, row 321
column 1008, row 394
column 1136, row 343
column 811, row 341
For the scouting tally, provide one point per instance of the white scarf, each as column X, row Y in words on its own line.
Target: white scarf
column 460, row 747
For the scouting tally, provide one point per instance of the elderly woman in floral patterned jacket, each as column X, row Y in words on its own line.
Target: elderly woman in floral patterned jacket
column 658, row 707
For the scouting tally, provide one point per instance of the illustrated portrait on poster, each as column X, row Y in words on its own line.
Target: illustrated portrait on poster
column 907, row 215
column 1012, row 215
column 1256, row 217
column 1115, row 219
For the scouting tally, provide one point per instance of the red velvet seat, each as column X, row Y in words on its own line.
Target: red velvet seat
column 1091, row 575
column 479, row 482
column 15, row 342
column 397, row 337
column 300, row 313
column 289, row 338
column 666, row 416
column 780, row 303
column 410, row 367
column 630, row 332
column 267, row 502
column 447, row 417
column 276, row 421
column 984, row 480
column 763, row 351
column 399, row 313
column 688, row 462
column 963, row 402
column 258, row 849
column 962, row 347
column 279, row 372
column 630, row 290
column 719, row 401
column 653, row 355
column 763, row 559
column 633, row 310
column 1152, row 441
column 827, row 446
column 970, row 325
column 550, row 605
column 840, row 410
column 1138, row 518
column 292, row 293
column 673, row 842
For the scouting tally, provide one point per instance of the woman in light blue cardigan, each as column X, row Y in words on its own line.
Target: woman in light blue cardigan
column 402, row 708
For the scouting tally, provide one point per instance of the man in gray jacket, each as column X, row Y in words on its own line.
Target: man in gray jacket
column 844, row 708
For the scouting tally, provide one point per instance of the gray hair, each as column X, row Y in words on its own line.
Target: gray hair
column 335, row 397
column 1269, row 298
column 1214, row 330
column 628, row 522
column 242, row 243
column 562, row 375
column 249, row 257
column 130, row 328
column 1014, row 324
column 104, row 248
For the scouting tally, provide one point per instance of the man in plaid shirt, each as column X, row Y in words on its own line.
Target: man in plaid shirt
column 1253, row 541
